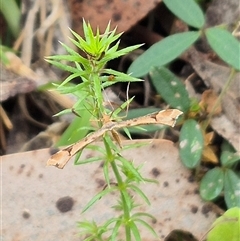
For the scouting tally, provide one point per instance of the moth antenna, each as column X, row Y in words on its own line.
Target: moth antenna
column 127, row 94
column 75, row 112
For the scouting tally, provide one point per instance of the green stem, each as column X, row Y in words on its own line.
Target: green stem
column 122, row 189
column 12, row 14
column 98, row 97
column 219, row 99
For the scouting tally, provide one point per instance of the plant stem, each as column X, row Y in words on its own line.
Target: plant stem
column 122, row 189
column 12, row 14
column 219, row 99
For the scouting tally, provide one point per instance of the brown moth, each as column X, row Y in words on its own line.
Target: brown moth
column 164, row 117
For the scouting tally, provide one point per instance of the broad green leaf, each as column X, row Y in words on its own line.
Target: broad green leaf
column 226, row 146
column 162, row 52
column 134, row 113
column 228, row 158
column 225, row 45
column 226, row 227
column 212, row 184
column 187, row 10
column 191, row 143
column 231, row 189
column 170, row 88
column 74, row 132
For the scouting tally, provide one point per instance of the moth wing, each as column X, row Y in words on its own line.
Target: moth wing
column 59, row 159
column 168, row 117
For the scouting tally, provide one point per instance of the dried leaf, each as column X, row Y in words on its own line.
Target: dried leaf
column 208, row 101
column 123, row 14
column 12, row 84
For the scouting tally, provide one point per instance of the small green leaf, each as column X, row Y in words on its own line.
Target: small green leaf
column 231, row 189
column 225, row 45
column 97, row 197
column 227, row 227
column 162, row 52
column 129, row 170
column 144, row 223
column 170, row 88
column 139, row 192
column 191, row 143
column 135, row 231
column 228, row 158
column 212, row 184
column 115, row 230
column 188, row 11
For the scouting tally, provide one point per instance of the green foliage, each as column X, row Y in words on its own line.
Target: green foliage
column 225, row 45
column 78, row 128
column 12, row 13
column 152, row 61
column 163, row 52
column 171, row 89
column 99, row 49
column 224, row 179
column 212, row 184
column 3, row 58
column 226, row 227
column 188, row 11
column 134, row 113
column 191, row 143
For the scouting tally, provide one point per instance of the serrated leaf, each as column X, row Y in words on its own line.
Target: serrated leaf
column 226, row 227
column 212, row 184
column 170, row 88
column 191, row 143
column 231, row 189
column 225, row 45
column 162, row 52
column 188, row 11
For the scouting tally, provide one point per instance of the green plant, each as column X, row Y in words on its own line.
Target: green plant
column 11, row 13
column 223, row 178
column 192, row 141
column 173, row 91
column 99, row 49
column 226, row 227
column 163, row 52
